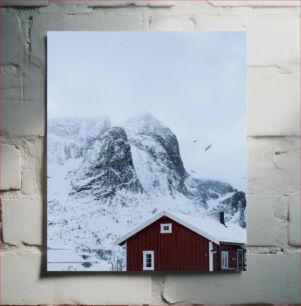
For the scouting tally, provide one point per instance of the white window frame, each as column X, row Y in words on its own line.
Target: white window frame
column 226, row 255
column 152, row 253
column 164, row 231
column 211, row 250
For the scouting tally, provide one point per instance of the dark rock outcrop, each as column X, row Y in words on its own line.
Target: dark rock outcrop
column 107, row 167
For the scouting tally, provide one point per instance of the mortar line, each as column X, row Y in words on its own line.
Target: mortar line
column 1, row 129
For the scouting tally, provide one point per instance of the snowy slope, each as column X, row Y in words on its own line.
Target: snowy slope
column 70, row 138
column 104, row 181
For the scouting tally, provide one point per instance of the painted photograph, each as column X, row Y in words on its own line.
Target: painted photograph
column 146, row 151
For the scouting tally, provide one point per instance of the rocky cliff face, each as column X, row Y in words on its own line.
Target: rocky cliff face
column 107, row 168
column 156, row 156
column 204, row 190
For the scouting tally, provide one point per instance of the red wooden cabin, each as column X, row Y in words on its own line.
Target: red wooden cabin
column 169, row 243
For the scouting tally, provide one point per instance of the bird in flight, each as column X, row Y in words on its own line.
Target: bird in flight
column 195, row 140
column 208, row 147
column 192, row 171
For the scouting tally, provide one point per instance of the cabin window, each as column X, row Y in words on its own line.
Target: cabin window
column 148, row 260
column 225, row 259
column 166, row 228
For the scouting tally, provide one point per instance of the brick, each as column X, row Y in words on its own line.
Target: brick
column 273, row 165
column 33, row 151
column 266, row 214
column 122, row 22
column 170, row 23
column 276, row 89
column 268, row 33
column 21, row 279
column 266, row 281
column 23, row 104
column 13, row 46
column 250, row 3
column 23, row 109
column 11, row 83
column 24, row 3
column 22, row 283
column 92, row 22
column 294, row 220
column 34, row 102
column 22, row 221
column 115, row 4
column 10, row 167
column 67, row 7
column 273, row 34
column 108, row 4
column 160, row 3
column 118, row 3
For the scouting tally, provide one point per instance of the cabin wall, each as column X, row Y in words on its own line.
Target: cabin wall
column 232, row 249
column 182, row 250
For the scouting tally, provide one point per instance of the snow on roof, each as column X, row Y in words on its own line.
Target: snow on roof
column 207, row 227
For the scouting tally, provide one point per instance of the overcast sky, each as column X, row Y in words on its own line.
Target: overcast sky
column 194, row 82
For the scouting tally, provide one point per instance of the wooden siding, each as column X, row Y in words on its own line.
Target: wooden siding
column 232, row 249
column 181, row 250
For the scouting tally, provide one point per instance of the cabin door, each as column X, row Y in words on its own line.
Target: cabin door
column 240, row 259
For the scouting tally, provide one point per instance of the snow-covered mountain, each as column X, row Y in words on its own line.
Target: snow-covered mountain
column 104, row 181
column 107, row 167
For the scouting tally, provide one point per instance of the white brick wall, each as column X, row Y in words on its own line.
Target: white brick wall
column 24, row 284
column 270, row 278
column 273, row 144
column 22, row 221
column 274, row 100
column 273, row 164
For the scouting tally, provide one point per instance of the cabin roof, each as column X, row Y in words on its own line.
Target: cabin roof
column 209, row 228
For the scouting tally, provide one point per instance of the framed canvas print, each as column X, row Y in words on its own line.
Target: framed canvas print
column 146, row 151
